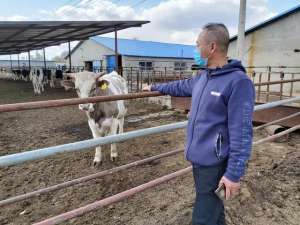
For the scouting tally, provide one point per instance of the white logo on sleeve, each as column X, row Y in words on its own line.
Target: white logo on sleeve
column 214, row 93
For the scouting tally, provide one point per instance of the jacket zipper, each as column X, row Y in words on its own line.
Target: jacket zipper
column 193, row 126
column 218, row 145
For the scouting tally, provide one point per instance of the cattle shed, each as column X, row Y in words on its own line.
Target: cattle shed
column 22, row 36
column 98, row 52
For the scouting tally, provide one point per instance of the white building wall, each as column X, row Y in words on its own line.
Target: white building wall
column 273, row 45
column 130, row 61
column 89, row 50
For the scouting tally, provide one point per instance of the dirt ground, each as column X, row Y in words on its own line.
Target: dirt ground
column 270, row 192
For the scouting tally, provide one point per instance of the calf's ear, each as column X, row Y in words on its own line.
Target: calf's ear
column 67, row 84
column 102, row 84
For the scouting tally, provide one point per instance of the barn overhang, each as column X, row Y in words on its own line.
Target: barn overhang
column 22, row 36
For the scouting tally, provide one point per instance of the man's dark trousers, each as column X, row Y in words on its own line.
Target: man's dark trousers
column 208, row 208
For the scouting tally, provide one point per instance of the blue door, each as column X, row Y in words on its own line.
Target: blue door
column 111, row 63
column 96, row 66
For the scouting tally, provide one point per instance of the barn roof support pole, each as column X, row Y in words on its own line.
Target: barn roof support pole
column 44, row 52
column 70, row 57
column 241, row 30
column 18, row 61
column 11, row 65
column 29, row 64
column 116, row 49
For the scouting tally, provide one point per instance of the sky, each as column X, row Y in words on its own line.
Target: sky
column 175, row 21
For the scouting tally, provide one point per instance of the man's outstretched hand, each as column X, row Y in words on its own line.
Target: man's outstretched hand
column 147, row 88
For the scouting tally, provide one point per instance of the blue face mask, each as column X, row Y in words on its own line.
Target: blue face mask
column 199, row 60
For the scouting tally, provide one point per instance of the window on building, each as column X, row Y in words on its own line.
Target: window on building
column 146, row 65
column 180, row 66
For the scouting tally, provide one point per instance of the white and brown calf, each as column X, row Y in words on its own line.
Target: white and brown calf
column 103, row 117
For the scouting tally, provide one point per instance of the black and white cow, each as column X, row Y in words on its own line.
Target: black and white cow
column 103, row 117
column 17, row 74
column 56, row 77
column 25, row 74
column 37, row 78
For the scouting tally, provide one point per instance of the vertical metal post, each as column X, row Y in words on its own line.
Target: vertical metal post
column 101, row 65
column 253, row 76
column 241, row 30
column 259, row 87
column 126, row 72
column 11, row 65
column 44, row 52
column 29, row 64
column 281, row 84
column 70, row 60
column 153, row 77
column 292, row 85
column 268, row 86
column 116, row 49
column 142, row 80
column 137, row 81
column 18, row 61
column 131, row 79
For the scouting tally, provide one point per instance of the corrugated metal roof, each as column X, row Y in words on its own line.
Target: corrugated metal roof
column 269, row 21
column 147, row 48
column 22, row 36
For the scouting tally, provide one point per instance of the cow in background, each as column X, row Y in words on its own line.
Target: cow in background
column 37, row 78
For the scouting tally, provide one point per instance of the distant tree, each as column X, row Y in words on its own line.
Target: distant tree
column 37, row 56
column 64, row 54
column 57, row 59
column 61, row 57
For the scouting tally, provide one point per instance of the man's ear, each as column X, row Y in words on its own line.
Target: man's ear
column 213, row 47
column 102, row 84
column 67, row 84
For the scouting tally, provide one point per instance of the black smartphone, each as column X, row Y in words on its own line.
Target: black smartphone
column 220, row 192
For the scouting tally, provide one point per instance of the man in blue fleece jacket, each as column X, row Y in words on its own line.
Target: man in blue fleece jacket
column 219, row 133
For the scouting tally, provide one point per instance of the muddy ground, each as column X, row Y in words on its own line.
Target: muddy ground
column 270, row 193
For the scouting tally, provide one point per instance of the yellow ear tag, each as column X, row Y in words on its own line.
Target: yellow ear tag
column 103, row 86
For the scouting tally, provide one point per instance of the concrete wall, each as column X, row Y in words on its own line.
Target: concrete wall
column 273, row 45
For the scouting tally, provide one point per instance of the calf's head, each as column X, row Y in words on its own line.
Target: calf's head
column 87, row 84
